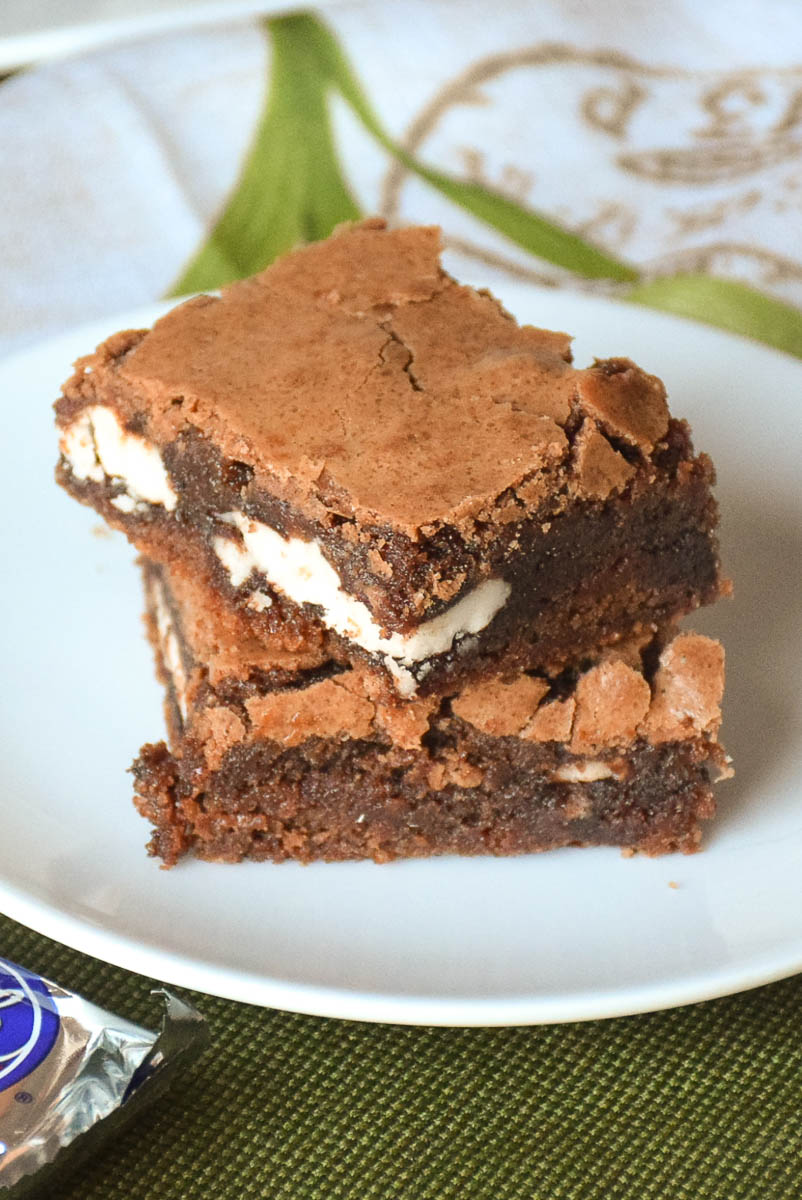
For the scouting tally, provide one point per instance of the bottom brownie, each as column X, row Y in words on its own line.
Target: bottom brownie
column 270, row 764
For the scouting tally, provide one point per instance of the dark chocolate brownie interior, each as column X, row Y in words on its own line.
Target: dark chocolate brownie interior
column 580, row 578
column 340, row 801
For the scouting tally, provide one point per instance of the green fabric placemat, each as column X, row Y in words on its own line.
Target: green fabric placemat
column 689, row 1104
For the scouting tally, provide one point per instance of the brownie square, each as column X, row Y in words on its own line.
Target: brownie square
column 367, row 457
column 270, row 759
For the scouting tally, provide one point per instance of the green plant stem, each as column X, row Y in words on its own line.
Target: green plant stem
column 726, row 304
column 529, row 230
column 291, row 188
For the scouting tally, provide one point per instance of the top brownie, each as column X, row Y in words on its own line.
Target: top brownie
column 382, row 458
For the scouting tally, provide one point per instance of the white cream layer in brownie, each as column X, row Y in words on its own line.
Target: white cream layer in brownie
column 298, row 569
column 98, row 448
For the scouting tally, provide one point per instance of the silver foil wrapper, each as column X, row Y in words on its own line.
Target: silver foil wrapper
column 71, row 1075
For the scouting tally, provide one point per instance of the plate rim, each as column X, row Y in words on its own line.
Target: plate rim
column 342, row 1003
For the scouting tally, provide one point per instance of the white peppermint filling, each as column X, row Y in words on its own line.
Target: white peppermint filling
column 96, row 445
column 299, row 570
column 168, row 644
column 127, row 504
column 78, row 447
column 259, row 601
column 589, row 771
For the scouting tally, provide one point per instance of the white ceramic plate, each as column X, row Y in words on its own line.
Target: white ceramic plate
column 557, row 937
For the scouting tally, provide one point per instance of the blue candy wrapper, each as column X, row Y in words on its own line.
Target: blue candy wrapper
column 71, row 1075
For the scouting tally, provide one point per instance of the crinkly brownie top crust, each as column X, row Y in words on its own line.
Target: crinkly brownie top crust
column 356, row 375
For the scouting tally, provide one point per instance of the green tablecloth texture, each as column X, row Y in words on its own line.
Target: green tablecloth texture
column 692, row 1104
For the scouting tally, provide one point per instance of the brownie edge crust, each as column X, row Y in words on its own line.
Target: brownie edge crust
column 339, row 803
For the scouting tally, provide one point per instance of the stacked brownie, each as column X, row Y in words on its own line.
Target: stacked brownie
column 412, row 579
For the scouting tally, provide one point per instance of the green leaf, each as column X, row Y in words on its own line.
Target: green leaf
column 291, row 188
column 528, row 229
column 726, row 304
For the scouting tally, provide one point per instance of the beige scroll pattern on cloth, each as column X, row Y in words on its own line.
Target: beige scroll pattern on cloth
column 714, row 189
column 611, row 148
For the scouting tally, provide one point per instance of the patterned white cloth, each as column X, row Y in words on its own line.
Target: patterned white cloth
column 669, row 135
